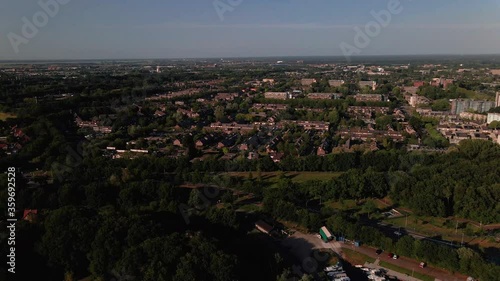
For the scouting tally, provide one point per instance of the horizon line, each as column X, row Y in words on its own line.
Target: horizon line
column 243, row 57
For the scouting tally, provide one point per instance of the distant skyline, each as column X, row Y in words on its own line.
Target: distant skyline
column 148, row 29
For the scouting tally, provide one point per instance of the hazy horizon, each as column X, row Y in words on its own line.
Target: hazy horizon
column 355, row 57
column 157, row 29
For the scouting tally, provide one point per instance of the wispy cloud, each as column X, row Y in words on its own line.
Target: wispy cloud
column 449, row 26
column 173, row 25
column 300, row 26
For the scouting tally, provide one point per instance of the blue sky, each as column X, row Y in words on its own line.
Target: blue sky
column 88, row 29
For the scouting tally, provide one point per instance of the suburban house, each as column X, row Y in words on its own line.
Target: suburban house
column 368, row 97
column 307, row 82
column 371, row 84
column 277, row 95
column 263, row 227
column 336, row 83
column 324, row 96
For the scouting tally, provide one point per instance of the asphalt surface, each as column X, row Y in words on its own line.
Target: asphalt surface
column 400, row 276
column 407, row 263
column 301, row 245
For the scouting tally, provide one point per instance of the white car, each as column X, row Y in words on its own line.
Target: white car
column 395, row 257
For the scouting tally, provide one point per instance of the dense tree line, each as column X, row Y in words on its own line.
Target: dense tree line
column 109, row 217
column 463, row 183
column 463, row 259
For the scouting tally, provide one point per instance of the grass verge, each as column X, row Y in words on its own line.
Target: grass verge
column 357, row 258
column 406, row 271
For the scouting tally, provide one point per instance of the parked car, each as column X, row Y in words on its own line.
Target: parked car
column 333, row 268
column 379, row 251
column 423, row 264
column 395, row 257
column 390, row 255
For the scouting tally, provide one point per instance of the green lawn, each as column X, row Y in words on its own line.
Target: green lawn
column 434, row 133
column 406, row 271
column 307, row 176
column 343, row 205
column 250, row 208
column 356, row 257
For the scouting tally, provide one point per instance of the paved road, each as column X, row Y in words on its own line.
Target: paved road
column 302, row 244
column 400, row 276
column 408, row 264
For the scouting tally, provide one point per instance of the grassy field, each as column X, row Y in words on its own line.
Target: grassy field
column 4, row 116
column 272, row 177
column 433, row 132
column 444, row 228
column 250, row 208
column 343, row 205
column 431, row 226
column 406, row 271
column 356, row 207
column 357, row 258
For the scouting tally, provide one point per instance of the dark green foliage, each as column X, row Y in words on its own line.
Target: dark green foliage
column 463, row 183
column 464, row 260
column 69, row 232
column 102, row 216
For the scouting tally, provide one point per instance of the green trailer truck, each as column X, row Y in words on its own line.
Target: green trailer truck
column 325, row 234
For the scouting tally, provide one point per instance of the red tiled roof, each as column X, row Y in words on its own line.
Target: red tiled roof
column 28, row 212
